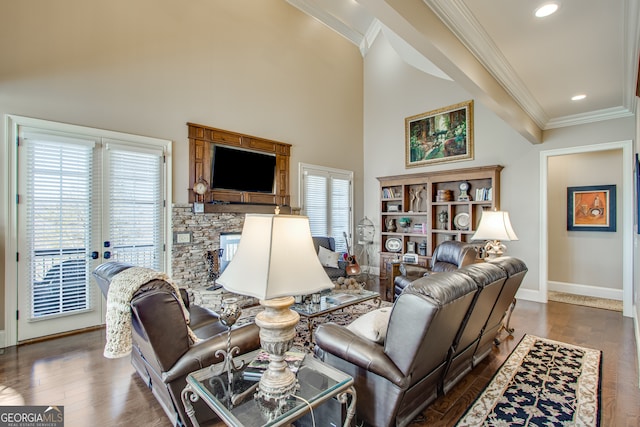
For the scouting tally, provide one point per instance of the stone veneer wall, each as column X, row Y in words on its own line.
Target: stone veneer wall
column 189, row 265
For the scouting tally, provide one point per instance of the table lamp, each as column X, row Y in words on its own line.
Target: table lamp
column 495, row 226
column 275, row 259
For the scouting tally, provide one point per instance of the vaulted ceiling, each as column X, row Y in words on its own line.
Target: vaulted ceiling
column 525, row 69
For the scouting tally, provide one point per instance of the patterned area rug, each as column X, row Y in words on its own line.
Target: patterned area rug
column 606, row 304
column 341, row 317
column 542, row 383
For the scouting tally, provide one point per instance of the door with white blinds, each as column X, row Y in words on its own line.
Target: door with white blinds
column 327, row 200
column 82, row 201
column 134, row 205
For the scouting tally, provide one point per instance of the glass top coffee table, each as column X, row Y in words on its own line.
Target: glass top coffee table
column 232, row 398
column 332, row 301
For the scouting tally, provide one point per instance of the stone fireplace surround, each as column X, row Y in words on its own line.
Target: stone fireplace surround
column 189, row 265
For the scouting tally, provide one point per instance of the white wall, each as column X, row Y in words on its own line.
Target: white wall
column 394, row 90
column 147, row 67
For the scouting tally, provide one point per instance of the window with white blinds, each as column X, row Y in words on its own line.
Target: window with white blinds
column 135, row 205
column 59, row 201
column 327, row 200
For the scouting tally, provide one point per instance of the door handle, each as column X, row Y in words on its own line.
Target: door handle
column 107, row 255
column 95, row 255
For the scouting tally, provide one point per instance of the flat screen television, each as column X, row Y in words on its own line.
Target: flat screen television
column 242, row 170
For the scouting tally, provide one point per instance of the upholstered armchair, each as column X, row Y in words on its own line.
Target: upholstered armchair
column 331, row 260
column 163, row 354
column 448, row 256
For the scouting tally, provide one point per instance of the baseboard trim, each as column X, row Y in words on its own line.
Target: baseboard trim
column 531, row 295
column 586, row 290
column 3, row 337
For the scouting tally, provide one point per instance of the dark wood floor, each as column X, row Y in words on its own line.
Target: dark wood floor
column 71, row 371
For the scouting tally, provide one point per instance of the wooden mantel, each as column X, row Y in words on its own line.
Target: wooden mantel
column 200, row 140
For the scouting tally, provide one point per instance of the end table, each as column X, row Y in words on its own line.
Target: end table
column 233, row 401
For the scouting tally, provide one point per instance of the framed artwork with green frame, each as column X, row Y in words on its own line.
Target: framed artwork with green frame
column 591, row 208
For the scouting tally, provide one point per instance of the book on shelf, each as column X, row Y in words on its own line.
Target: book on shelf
column 259, row 364
column 387, row 193
column 484, row 194
column 420, row 228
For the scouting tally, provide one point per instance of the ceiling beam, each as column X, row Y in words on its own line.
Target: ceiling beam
column 419, row 26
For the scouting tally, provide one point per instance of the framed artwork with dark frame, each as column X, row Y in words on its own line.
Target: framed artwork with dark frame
column 438, row 136
column 591, row 208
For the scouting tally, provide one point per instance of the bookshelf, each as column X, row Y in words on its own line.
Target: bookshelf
column 420, row 211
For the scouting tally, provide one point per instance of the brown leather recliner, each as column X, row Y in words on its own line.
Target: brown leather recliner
column 433, row 339
column 448, row 256
column 498, row 281
column 395, row 380
column 162, row 354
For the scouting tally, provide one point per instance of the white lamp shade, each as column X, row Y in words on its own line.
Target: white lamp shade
column 495, row 225
column 275, row 257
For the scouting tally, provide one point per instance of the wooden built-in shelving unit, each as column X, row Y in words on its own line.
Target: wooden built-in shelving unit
column 416, row 197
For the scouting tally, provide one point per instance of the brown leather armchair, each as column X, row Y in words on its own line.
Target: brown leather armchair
column 162, row 353
column 448, row 256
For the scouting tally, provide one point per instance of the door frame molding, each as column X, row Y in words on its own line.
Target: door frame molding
column 626, row 226
column 12, row 126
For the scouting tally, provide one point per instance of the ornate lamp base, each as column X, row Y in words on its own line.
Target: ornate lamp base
column 494, row 249
column 277, row 331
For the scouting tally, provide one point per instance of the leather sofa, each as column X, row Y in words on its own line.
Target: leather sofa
column 448, row 256
column 437, row 332
column 162, row 353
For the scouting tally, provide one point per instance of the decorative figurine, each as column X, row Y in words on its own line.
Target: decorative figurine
column 391, row 224
column 412, row 196
column 443, row 217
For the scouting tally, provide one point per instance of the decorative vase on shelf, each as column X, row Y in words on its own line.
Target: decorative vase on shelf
column 404, row 222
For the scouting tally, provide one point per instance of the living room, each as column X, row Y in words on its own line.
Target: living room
column 265, row 68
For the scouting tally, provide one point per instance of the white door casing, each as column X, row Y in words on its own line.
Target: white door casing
column 136, row 195
column 626, row 223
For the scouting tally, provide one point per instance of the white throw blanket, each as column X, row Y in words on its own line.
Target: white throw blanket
column 122, row 288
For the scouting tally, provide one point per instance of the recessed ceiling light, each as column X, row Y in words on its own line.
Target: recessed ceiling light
column 578, row 97
column 546, row 9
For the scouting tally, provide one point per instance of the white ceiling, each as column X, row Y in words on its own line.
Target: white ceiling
column 587, row 46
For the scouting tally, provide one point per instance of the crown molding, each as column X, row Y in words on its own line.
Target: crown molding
column 589, row 117
column 459, row 19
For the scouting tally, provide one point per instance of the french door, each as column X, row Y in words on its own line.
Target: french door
column 84, row 197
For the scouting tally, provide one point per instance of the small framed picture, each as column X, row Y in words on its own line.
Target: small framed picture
column 591, row 208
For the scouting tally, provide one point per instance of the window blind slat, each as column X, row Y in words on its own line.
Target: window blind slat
column 58, row 201
column 135, row 207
